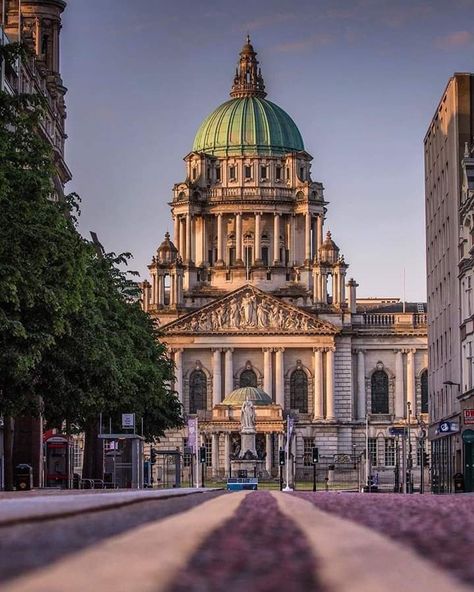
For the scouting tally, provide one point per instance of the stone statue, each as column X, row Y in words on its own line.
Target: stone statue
column 248, row 417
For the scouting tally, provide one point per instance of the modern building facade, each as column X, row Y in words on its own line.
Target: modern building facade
column 252, row 291
column 37, row 24
column 444, row 147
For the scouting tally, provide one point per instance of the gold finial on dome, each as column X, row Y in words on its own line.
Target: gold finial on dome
column 248, row 80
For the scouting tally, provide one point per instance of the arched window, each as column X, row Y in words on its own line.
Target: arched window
column 379, row 392
column 197, row 391
column 424, row 391
column 248, row 378
column 299, row 391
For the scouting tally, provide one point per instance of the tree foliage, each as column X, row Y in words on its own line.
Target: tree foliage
column 72, row 333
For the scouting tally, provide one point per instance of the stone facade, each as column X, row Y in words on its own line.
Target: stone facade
column 444, row 146
column 250, row 290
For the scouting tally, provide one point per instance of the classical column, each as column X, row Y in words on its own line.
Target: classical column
column 176, row 232
column 330, row 403
column 268, row 451
column 307, row 237
column 258, row 233
column 324, row 287
column 153, row 287
column 280, row 377
column 411, row 397
column 215, row 454
column 216, row 376
column 361, row 394
column 189, row 247
column 293, row 239
column 203, row 241
column 238, row 239
column 318, row 412
column 267, row 370
column 173, row 290
column 220, row 259
column 399, row 386
column 276, row 239
column 227, row 454
column 229, row 371
column 314, row 237
column 159, row 290
column 178, row 373
column 335, row 287
column 182, row 237
column 319, row 233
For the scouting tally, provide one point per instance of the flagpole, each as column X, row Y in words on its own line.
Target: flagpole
column 197, row 453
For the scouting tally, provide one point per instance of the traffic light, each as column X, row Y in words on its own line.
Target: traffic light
column 282, row 457
column 315, row 455
column 152, row 456
column 426, row 459
column 202, row 454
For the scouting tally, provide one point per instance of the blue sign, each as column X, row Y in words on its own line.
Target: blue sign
column 397, row 431
column 445, row 427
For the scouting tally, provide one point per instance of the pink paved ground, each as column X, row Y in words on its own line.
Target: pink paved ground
column 440, row 528
column 257, row 550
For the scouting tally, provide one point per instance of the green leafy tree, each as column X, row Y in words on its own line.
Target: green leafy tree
column 42, row 258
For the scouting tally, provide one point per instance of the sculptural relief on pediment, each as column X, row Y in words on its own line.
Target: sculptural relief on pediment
column 249, row 311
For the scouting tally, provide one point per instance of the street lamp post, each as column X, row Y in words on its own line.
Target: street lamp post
column 409, row 452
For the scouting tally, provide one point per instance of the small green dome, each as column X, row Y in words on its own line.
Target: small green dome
column 247, row 126
column 239, row 396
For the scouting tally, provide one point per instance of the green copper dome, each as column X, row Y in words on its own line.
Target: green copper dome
column 248, row 125
column 251, row 393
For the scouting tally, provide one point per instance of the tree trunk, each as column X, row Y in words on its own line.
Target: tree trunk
column 8, row 429
column 93, row 467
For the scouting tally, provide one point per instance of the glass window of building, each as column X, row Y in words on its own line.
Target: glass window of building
column 232, row 173
column 308, row 444
column 424, row 391
column 379, row 389
column 299, row 391
column 197, row 391
column 389, row 452
column 218, row 173
column 248, row 378
column 278, row 173
column 263, row 172
column 248, row 171
column 373, row 451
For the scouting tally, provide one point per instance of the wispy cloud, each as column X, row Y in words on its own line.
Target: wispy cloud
column 269, row 20
column 305, row 43
column 454, row 40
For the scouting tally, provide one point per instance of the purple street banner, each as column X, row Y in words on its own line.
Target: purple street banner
column 192, row 433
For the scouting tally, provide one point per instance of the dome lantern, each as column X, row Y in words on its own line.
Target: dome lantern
column 248, row 81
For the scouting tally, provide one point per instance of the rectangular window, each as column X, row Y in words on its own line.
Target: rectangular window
column 287, row 173
column 278, row 173
column 302, row 173
column 208, row 173
column 232, row 173
column 389, row 452
column 308, row 444
column 373, row 451
column 231, row 256
column 187, row 454
column 265, row 256
column 263, row 172
column 218, row 173
column 248, row 171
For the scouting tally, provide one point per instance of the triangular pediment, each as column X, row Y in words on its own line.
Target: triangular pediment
column 249, row 310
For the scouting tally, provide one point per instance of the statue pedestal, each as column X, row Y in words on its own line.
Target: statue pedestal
column 252, row 467
column 247, row 442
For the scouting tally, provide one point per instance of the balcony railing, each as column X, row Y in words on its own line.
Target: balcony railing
column 394, row 320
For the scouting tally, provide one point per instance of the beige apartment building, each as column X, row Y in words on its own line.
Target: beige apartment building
column 444, row 147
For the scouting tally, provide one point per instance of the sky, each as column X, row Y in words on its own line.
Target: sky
column 360, row 78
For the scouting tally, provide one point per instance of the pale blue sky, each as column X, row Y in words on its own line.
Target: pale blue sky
column 360, row 78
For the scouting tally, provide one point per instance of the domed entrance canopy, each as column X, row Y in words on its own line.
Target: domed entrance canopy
column 249, row 393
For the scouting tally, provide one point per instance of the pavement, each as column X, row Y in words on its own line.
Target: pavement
column 264, row 541
column 45, row 507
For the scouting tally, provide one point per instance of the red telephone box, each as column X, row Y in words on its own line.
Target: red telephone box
column 58, row 450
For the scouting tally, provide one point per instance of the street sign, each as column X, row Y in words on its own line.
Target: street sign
column 397, row 431
column 468, row 416
column 128, row 421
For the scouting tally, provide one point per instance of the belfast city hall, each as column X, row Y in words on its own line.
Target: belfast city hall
column 253, row 299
